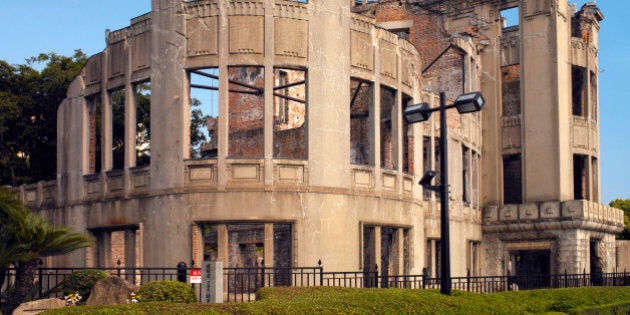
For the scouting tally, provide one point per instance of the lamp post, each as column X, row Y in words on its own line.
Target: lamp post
column 465, row 103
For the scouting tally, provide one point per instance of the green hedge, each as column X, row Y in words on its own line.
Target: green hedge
column 167, row 291
column 331, row 300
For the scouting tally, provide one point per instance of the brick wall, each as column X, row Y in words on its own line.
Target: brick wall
column 246, row 112
column 511, row 89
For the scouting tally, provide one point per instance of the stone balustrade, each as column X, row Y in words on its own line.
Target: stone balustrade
column 553, row 215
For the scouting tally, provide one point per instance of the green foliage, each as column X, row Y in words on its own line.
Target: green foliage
column 82, row 281
column 170, row 291
column 28, row 115
column 335, row 300
column 623, row 204
column 24, row 238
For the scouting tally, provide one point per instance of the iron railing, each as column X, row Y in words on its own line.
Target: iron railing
column 241, row 284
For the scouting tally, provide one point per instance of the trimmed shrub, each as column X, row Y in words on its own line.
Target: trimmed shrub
column 169, row 291
column 82, row 281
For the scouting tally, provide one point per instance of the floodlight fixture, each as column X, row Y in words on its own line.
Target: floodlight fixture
column 469, row 102
column 417, row 113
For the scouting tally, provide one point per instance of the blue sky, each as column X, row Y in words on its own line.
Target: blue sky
column 36, row 26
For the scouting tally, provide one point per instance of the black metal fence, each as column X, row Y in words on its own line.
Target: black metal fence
column 241, row 284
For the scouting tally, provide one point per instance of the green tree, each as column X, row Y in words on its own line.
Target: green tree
column 26, row 237
column 28, row 115
column 623, row 204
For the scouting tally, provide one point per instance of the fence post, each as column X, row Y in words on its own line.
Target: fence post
column 118, row 263
column 181, row 271
column 468, row 280
column 321, row 273
column 40, row 276
column 425, row 276
column 262, row 274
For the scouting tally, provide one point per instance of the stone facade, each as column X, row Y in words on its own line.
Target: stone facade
column 303, row 153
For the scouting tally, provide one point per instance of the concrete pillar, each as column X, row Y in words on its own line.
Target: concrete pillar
column 268, row 245
column 130, row 248
column 400, row 251
column 329, row 81
column 492, row 160
column 167, row 223
column 222, row 244
column 169, row 94
column 546, row 101
column 377, row 249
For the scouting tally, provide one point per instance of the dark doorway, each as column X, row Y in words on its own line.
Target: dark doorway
column 282, row 253
column 387, row 255
column 369, row 257
column 596, row 263
column 531, row 268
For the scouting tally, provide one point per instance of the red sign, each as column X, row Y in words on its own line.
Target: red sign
column 195, row 275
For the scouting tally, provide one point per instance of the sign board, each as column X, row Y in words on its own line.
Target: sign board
column 195, row 275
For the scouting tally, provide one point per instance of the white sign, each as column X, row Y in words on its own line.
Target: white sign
column 195, row 275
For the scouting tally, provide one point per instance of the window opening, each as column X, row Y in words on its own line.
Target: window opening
column 95, row 108
column 246, row 112
column 361, row 102
column 466, row 195
column 511, row 90
column 407, row 145
column 510, row 17
column 475, row 177
column 595, row 181
column 512, row 179
column 580, row 177
column 143, row 123
column 117, row 99
column 388, row 155
column 578, row 91
column 426, row 161
column 204, row 113
column 289, row 132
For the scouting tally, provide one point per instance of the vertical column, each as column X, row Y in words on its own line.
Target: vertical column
column 328, row 84
column 169, row 93
column 268, row 245
column 223, row 125
column 130, row 249
column 197, row 245
column 168, row 226
column 400, row 251
column 492, row 161
column 130, row 114
column 222, row 244
column 377, row 249
column 269, row 82
column 107, row 161
column 546, row 101
column 433, row 258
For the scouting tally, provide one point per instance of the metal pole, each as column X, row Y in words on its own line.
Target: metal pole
column 445, row 279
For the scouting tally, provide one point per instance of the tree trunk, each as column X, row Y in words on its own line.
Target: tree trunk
column 24, row 276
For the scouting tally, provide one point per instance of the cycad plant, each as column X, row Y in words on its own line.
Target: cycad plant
column 26, row 237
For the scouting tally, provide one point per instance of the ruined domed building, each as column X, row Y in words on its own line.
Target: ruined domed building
column 272, row 132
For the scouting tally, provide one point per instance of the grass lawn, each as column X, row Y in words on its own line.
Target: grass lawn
column 332, row 300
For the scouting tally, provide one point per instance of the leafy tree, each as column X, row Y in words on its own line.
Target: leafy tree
column 26, row 237
column 623, row 204
column 28, row 115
